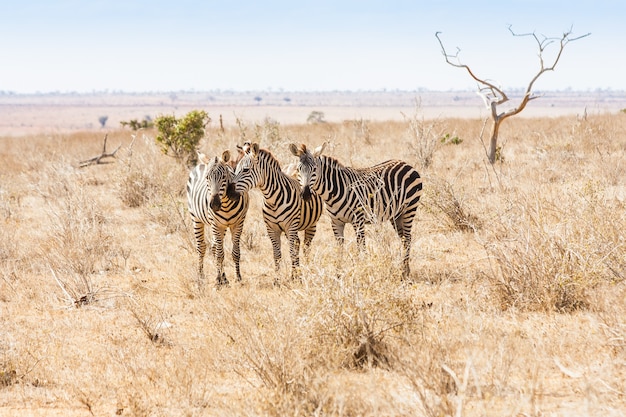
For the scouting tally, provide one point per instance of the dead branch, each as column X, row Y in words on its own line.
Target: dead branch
column 542, row 44
column 99, row 159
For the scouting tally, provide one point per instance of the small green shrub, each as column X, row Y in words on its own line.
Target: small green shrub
column 135, row 124
column 180, row 137
column 448, row 139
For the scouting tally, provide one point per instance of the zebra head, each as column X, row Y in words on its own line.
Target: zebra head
column 308, row 166
column 248, row 173
column 218, row 177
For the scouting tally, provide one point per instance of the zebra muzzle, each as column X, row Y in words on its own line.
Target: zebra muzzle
column 231, row 192
column 306, row 193
column 216, row 203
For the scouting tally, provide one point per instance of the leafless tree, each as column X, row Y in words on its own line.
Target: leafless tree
column 494, row 95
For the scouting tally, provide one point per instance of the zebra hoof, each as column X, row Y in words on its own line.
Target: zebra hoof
column 297, row 278
column 222, row 281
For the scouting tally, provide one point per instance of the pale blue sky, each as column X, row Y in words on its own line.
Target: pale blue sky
column 323, row 45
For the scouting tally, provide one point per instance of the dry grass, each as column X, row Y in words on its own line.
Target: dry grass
column 516, row 304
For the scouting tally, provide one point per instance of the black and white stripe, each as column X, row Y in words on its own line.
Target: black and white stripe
column 210, row 205
column 389, row 191
column 284, row 209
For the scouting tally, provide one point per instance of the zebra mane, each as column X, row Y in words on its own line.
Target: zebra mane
column 269, row 158
column 355, row 177
column 334, row 163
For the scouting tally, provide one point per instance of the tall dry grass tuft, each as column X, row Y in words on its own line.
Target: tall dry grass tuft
column 79, row 244
column 447, row 204
column 266, row 348
column 434, row 383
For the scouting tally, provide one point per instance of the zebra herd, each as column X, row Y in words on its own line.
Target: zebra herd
column 217, row 195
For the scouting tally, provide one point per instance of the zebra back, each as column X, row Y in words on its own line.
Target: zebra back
column 378, row 193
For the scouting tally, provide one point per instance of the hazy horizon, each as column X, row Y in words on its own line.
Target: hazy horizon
column 509, row 91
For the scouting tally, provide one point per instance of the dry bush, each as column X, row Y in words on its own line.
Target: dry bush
column 145, row 176
column 331, row 325
column 436, row 385
column 268, row 343
column 424, row 137
column 350, row 327
column 153, row 322
column 445, row 203
column 267, row 134
column 154, row 182
column 551, row 251
column 361, row 132
column 15, row 370
column 79, row 244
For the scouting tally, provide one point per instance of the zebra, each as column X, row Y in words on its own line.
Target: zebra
column 210, row 205
column 284, row 210
column 388, row 191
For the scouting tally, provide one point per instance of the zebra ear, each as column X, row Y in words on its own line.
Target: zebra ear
column 245, row 148
column 254, row 148
column 294, row 150
column 318, row 151
column 226, row 156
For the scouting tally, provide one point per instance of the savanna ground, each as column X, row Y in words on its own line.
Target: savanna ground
column 516, row 303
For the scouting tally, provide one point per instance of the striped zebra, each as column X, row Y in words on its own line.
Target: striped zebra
column 210, row 205
column 388, row 191
column 284, row 210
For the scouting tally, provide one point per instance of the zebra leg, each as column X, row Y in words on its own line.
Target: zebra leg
column 403, row 229
column 359, row 229
column 308, row 238
column 338, row 228
column 294, row 251
column 235, row 232
column 218, row 253
column 198, row 231
column 406, row 270
column 275, row 238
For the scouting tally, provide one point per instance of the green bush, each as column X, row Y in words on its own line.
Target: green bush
column 180, row 137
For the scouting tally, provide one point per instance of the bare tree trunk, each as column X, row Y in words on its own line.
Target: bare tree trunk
column 493, row 143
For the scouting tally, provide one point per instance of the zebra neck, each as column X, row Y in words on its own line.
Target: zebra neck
column 330, row 171
column 273, row 187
